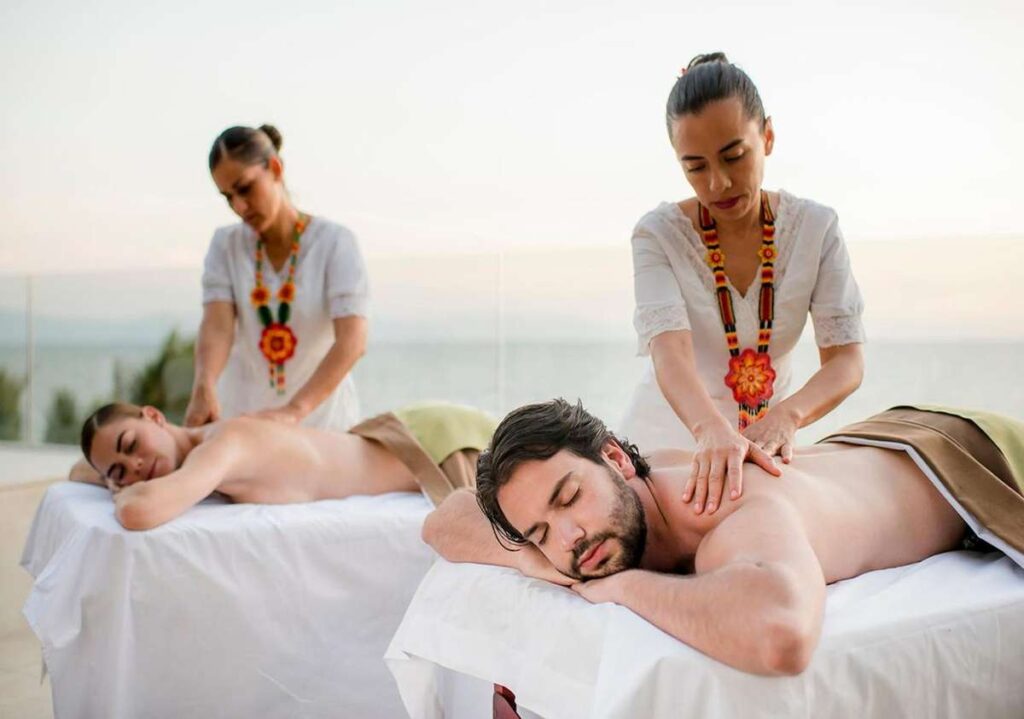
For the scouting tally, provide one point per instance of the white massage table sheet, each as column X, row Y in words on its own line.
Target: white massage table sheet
column 940, row 638
column 231, row 610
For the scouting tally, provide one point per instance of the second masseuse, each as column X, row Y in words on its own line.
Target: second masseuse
column 284, row 299
column 724, row 282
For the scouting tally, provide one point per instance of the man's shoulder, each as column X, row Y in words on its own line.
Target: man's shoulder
column 746, row 527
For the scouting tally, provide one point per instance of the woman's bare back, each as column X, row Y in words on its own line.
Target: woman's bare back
column 276, row 463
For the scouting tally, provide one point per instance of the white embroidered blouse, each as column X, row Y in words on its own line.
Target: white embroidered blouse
column 674, row 290
column 330, row 282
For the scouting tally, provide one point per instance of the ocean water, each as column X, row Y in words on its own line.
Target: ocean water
column 498, row 378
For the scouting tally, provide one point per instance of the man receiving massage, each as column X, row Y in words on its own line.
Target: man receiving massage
column 587, row 510
column 157, row 470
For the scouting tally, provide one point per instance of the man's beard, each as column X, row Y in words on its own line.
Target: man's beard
column 628, row 528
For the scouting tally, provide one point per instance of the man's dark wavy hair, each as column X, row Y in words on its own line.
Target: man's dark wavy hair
column 539, row 431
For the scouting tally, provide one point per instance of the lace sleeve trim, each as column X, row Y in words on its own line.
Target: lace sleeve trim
column 652, row 321
column 832, row 331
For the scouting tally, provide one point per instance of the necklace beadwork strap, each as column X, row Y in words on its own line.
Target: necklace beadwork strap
column 751, row 376
column 277, row 341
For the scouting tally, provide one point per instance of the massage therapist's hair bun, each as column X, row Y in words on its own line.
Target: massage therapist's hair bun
column 274, row 134
column 707, row 57
column 710, row 77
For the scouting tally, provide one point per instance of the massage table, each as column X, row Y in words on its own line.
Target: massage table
column 231, row 610
column 940, row 638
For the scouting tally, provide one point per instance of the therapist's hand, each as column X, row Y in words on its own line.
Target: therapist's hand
column 287, row 414
column 719, row 456
column 775, row 432
column 203, row 407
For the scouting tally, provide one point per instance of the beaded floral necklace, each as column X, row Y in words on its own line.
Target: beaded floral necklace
column 751, row 376
column 277, row 342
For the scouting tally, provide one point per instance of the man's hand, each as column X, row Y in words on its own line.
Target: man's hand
column 531, row 562
column 606, row 589
column 774, row 433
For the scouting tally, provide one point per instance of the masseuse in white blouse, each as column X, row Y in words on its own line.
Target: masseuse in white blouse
column 284, row 300
column 735, row 263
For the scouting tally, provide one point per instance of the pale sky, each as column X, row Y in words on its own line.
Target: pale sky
column 467, row 126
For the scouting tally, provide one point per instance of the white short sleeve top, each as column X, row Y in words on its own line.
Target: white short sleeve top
column 330, row 282
column 674, row 290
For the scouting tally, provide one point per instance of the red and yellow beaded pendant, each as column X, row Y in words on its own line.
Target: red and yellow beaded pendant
column 751, row 376
column 277, row 342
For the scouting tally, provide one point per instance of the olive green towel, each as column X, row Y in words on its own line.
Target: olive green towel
column 445, row 428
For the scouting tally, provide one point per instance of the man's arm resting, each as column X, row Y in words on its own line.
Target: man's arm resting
column 758, row 607
column 459, row 532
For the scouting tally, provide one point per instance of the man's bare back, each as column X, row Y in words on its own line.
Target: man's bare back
column 862, row 508
column 745, row 584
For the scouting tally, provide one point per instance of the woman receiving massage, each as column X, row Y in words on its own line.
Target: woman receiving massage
column 284, row 299
column 724, row 281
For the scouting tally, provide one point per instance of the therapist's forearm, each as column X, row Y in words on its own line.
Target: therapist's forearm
column 213, row 345
column 841, row 372
column 676, row 371
column 349, row 345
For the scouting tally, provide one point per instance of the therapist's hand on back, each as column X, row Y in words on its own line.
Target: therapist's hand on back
column 203, row 407
column 775, row 433
column 286, row 414
column 719, row 457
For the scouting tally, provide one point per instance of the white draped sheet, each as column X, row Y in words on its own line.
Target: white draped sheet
column 940, row 638
column 231, row 610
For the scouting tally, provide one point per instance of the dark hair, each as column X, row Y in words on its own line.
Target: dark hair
column 104, row 415
column 248, row 145
column 538, row 431
column 708, row 78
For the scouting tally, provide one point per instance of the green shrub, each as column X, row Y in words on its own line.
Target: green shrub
column 10, row 405
column 166, row 382
column 63, row 422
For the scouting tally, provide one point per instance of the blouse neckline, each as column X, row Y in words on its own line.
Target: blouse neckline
column 782, row 213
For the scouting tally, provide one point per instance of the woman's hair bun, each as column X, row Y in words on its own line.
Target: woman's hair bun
column 707, row 57
column 274, row 134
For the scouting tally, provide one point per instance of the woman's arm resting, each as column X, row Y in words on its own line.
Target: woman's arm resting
column 144, row 505
column 82, row 471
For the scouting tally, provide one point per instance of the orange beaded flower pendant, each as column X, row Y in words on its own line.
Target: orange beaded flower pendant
column 277, row 342
column 751, row 376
